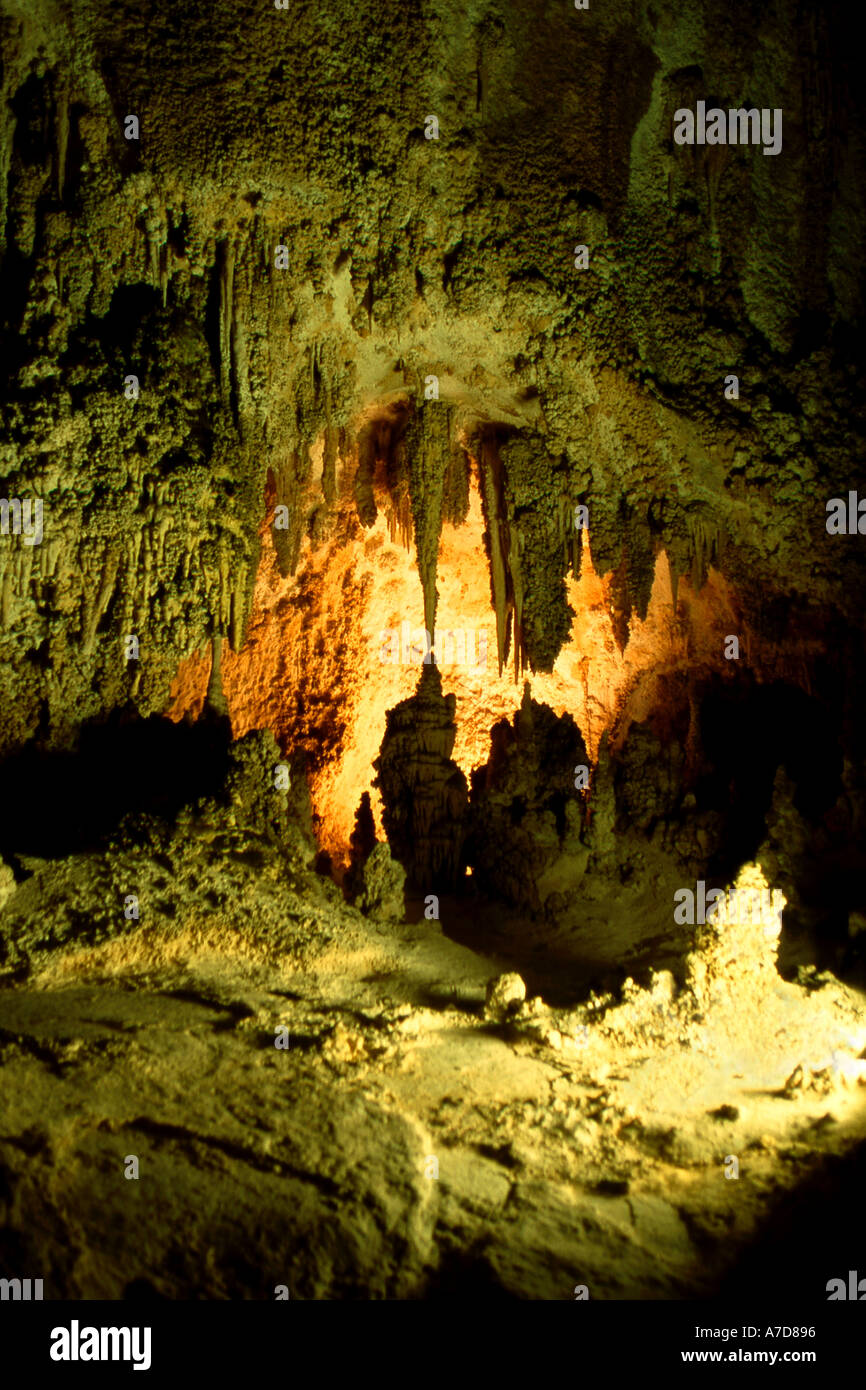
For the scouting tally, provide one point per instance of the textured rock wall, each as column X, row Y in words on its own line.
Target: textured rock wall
column 406, row 258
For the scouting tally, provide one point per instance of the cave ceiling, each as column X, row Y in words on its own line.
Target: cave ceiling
column 281, row 254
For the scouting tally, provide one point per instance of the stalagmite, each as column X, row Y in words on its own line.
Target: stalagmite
column 424, row 793
column 525, row 819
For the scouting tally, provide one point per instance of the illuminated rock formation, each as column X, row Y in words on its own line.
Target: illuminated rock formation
column 527, row 816
column 424, row 793
column 326, row 324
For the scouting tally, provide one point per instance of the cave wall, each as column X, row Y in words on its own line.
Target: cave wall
column 409, row 257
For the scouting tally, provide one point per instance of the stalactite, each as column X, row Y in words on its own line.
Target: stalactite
column 227, row 278
column 62, row 138
column 620, row 602
column 574, row 534
column 532, row 482
column 242, row 293
column 329, row 464
column 429, row 436
column 238, row 610
column 163, row 273
column 7, row 603
column 673, row 574
column 455, row 496
column 93, row 613
column 392, row 447
column 704, row 547
column 490, row 470
column 401, row 523
column 641, row 563
column 363, row 486
column 25, row 563
column 607, row 535
column 154, row 237
column 215, row 701
column 515, row 569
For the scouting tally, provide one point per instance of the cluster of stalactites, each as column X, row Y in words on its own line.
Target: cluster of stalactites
column 425, row 470
column 425, row 462
column 536, row 516
column 530, row 540
column 628, row 535
column 507, row 598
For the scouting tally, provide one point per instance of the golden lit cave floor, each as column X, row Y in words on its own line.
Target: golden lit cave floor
column 584, row 1146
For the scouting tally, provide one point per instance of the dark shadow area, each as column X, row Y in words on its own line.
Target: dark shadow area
column 465, row 1275
column 748, row 732
column 57, row 803
column 117, row 330
column 142, row 1291
column 563, row 971
column 813, row 1234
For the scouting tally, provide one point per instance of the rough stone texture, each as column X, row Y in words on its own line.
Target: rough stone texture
column 202, row 866
column 424, row 793
column 377, row 886
column 265, row 1191
column 503, row 996
column 527, row 819
column 409, row 257
column 7, row 884
column 578, row 1144
column 580, row 1134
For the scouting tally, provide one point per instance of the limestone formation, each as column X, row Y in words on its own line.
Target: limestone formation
column 527, row 818
column 322, row 325
column 424, row 793
column 376, row 885
column 503, row 996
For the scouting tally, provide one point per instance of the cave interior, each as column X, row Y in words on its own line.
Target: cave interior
column 432, row 759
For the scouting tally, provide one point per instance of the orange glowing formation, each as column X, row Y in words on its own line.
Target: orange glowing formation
column 311, row 668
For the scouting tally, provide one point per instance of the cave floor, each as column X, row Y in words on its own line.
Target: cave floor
column 410, row 1142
